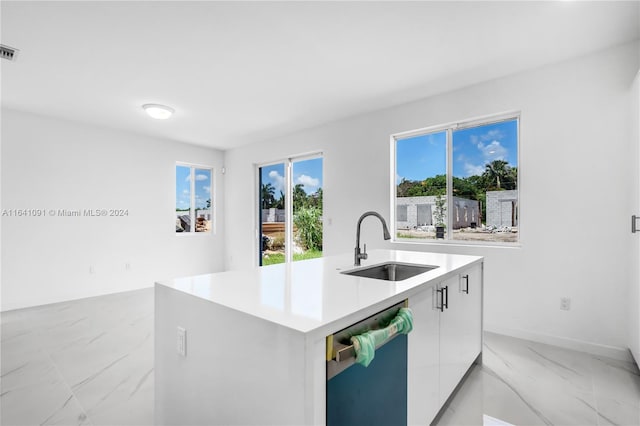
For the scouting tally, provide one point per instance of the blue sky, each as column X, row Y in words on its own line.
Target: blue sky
column 424, row 156
column 183, row 187
column 306, row 172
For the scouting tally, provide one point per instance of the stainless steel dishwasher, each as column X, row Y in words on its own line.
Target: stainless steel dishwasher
column 373, row 395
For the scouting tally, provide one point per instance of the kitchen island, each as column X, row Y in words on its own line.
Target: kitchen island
column 249, row 346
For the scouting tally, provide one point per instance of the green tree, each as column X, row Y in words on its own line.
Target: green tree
column 496, row 173
column 512, row 178
column 315, row 199
column 267, row 196
column 299, row 197
column 279, row 202
column 430, row 186
column 465, row 188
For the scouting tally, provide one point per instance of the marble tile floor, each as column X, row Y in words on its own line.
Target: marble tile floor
column 527, row 383
column 90, row 362
column 84, row 362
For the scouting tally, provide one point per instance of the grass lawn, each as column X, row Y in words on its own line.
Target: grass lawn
column 279, row 257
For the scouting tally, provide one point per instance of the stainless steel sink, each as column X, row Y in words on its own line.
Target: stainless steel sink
column 390, row 271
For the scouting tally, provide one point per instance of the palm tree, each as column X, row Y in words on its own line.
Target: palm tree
column 267, row 192
column 496, row 172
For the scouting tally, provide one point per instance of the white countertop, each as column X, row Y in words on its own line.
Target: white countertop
column 311, row 295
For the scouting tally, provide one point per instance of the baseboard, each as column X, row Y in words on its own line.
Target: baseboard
column 622, row 354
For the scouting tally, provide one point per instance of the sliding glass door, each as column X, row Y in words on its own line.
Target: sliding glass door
column 272, row 213
column 290, row 210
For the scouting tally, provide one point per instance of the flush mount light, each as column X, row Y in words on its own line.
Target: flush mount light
column 159, row 112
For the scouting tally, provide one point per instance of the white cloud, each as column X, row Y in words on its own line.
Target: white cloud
column 207, row 189
column 492, row 135
column 492, row 151
column 473, row 170
column 198, row 177
column 185, row 191
column 309, row 182
column 278, row 180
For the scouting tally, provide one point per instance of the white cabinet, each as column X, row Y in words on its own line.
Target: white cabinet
column 423, row 356
column 446, row 339
column 460, row 327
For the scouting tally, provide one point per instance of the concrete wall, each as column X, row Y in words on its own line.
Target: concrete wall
column 459, row 219
column 50, row 164
column 501, row 210
column 574, row 133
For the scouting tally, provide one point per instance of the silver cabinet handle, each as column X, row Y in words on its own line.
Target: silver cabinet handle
column 466, row 279
column 446, row 296
column 440, row 291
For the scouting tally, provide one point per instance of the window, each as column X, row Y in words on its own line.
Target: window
column 290, row 210
column 458, row 182
column 193, row 199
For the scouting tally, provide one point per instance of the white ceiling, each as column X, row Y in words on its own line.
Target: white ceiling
column 239, row 72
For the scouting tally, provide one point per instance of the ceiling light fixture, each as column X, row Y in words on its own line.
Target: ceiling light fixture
column 159, row 112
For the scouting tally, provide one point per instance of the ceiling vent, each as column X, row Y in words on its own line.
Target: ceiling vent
column 8, row 53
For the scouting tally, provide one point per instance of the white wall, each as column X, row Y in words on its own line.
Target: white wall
column 53, row 164
column 634, row 252
column 574, row 140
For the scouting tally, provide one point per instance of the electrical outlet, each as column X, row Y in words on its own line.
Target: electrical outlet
column 127, row 266
column 565, row 303
column 182, row 342
column 92, row 270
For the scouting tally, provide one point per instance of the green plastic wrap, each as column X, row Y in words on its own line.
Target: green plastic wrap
column 365, row 343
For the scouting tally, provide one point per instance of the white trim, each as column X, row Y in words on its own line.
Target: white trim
column 288, row 212
column 257, row 215
column 448, row 232
column 461, row 124
column 622, row 354
column 197, row 166
column 306, row 156
column 192, row 197
column 449, row 129
column 394, row 186
column 288, row 164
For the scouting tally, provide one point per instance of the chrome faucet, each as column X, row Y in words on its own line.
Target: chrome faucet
column 363, row 255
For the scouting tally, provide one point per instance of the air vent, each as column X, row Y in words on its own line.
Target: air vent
column 8, row 53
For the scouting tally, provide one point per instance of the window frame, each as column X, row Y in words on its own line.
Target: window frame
column 288, row 175
column 192, row 210
column 449, row 128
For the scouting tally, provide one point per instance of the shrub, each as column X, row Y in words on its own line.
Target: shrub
column 276, row 242
column 309, row 223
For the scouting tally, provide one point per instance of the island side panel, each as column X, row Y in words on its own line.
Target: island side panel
column 316, row 378
column 238, row 369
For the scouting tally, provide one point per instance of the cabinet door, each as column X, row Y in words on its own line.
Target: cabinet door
column 452, row 330
column 470, row 302
column 460, row 328
column 423, row 400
